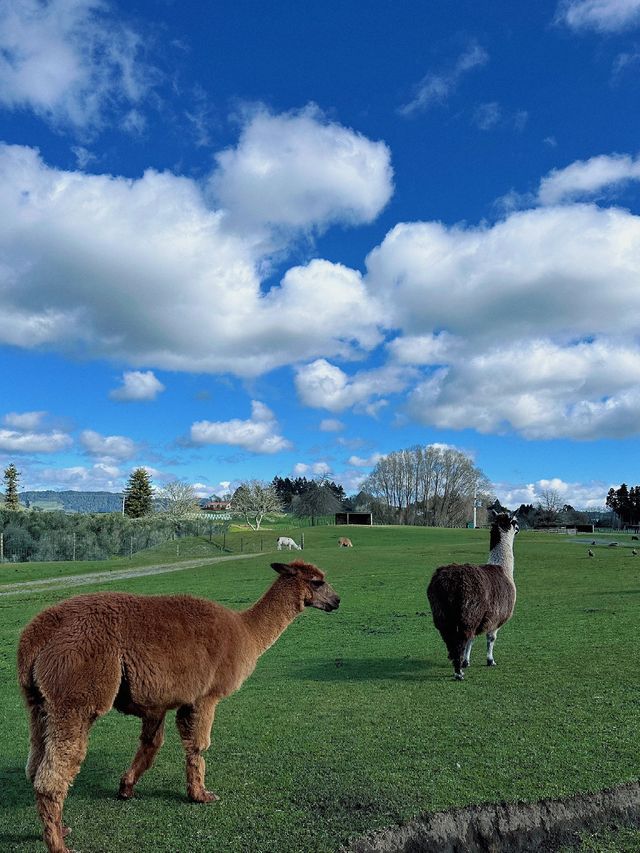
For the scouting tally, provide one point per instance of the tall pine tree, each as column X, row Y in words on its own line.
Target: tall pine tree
column 138, row 495
column 11, row 475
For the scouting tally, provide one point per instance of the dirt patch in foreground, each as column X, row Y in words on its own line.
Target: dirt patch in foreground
column 496, row 827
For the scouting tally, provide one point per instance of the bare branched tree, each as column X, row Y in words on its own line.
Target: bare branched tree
column 253, row 499
column 178, row 502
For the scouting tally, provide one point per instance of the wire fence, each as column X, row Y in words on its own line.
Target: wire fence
column 189, row 540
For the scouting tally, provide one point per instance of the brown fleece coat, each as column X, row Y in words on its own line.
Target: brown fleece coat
column 143, row 655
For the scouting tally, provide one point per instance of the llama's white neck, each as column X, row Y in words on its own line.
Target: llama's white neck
column 502, row 554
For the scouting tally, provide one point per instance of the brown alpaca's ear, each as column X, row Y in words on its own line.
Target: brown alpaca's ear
column 283, row 569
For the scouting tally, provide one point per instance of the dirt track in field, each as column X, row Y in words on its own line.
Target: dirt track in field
column 70, row 581
column 543, row 827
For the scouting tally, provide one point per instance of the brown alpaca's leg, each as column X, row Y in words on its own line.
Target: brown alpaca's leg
column 65, row 749
column 151, row 739
column 194, row 724
column 37, row 734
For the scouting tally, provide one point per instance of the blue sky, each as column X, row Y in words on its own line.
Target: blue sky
column 245, row 239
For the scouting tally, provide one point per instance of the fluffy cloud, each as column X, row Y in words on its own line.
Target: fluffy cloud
column 564, row 272
column 258, row 434
column 98, row 477
column 325, row 386
column 299, row 171
column 144, row 271
column 23, row 421
column 361, row 462
column 588, row 177
column 604, row 16
column 436, row 88
column 539, row 389
column 137, row 385
column 331, row 425
column 68, row 60
column 25, row 441
column 315, row 469
column 579, row 495
column 109, row 448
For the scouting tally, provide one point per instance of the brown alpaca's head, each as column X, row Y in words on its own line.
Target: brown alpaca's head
column 310, row 584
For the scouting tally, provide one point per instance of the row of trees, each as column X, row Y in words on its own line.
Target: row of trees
column 625, row 502
column 434, row 485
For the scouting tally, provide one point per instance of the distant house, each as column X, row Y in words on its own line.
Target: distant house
column 217, row 506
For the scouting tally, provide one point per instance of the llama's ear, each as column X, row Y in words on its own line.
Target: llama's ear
column 492, row 512
column 283, row 569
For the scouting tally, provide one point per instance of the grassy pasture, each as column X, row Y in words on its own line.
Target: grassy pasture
column 352, row 720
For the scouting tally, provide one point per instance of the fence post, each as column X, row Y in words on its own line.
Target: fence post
column 261, row 544
column 131, row 547
column 302, row 541
column 74, row 546
column 1, row 547
column 177, row 549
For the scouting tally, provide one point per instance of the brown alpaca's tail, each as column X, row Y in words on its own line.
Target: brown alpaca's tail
column 33, row 640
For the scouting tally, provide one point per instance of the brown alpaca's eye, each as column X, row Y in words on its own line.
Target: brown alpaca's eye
column 317, row 583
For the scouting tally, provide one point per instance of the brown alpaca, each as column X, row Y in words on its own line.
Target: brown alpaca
column 143, row 655
column 343, row 542
column 468, row 600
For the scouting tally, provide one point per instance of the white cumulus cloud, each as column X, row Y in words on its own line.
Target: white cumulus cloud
column 108, row 447
column 323, row 385
column 604, row 16
column 257, row 434
column 23, row 421
column 137, row 385
column 300, row 171
column 26, row 441
column 145, row 272
column 69, row 61
column 585, row 178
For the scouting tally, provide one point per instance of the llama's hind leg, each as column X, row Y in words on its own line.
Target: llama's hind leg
column 456, row 648
column 466, row 659
column 491, row 638
column 151, row 739
column 194, row 725
column 37, row 735
column 65, row 749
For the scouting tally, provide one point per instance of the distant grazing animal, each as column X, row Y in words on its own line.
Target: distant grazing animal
column 634, row 552
column 593, row 542
column 469, row 600
column 287, row 542
column 634, row 537
column 343, row 542
column 613, row 544
column 590, row 552
column 143, row 655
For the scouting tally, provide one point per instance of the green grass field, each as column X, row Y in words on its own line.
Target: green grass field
column 352, row 720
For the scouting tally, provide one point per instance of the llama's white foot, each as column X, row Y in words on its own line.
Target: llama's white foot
column 491, row 662
column 459, row 676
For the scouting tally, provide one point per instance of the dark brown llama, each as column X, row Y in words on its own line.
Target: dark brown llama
column 468, row 600
column 143, row 655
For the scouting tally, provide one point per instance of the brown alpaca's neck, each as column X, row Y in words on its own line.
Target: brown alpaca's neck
column 274, row 612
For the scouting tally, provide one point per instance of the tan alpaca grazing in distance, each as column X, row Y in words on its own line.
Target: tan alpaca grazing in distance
column 343, row 542
column 143, row 655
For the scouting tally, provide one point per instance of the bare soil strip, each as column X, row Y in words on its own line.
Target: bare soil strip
column 49, row 584
column 513, row 827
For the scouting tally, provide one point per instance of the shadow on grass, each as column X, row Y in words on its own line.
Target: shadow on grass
column 369, row 669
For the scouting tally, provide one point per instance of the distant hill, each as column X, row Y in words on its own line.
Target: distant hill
column 71, row 501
